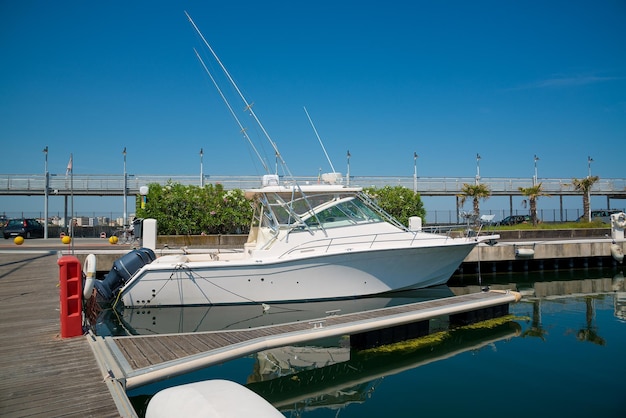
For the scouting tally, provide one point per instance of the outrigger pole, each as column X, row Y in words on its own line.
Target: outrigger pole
column 248, row 105
column 232, row 112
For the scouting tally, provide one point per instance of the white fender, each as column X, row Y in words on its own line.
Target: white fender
column 89, row 268
column 525, row 252
column 617, row 253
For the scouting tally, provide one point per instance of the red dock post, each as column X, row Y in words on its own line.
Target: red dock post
column 71, row 286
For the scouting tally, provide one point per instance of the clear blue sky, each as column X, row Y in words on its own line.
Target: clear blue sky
column 445, row 79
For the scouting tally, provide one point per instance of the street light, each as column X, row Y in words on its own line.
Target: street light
column 125, row 191
column 348, row 174
column 477, row 168
column 201, row 169
column 589, row 161
column 535, row 178
column 47, row 187
column 415, row 172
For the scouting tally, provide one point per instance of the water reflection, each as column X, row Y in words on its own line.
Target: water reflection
column 330, row 375
column 298, row 379
column 147, row 321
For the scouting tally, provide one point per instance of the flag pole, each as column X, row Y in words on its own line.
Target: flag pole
column 71, row 168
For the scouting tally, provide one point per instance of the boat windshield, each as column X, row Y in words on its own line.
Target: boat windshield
column 347, row 211
column 317, row 210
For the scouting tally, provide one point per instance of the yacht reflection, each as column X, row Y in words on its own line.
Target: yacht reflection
column 298, row 379
column 182, row 319
column 620, row 296
column 548, row 288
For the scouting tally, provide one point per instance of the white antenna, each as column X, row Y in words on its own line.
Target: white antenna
column 320, row 139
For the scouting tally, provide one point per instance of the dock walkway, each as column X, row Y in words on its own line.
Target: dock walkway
column 42, row 374
column 139, row 360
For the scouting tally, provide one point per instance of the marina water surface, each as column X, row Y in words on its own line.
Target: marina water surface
column 559, row 352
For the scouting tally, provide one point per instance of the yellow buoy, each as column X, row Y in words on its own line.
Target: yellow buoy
column 66, row 239
column 113, row 239
column 18, row 240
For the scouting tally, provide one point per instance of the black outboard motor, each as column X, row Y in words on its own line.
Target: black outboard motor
column 123, row 269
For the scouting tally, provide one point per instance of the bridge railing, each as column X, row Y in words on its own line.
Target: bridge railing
column 114, row 184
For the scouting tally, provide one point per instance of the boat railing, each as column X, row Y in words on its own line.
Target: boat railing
column 448, row 229
column 366, row 240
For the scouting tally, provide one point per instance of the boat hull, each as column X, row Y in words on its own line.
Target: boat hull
column 331, row 276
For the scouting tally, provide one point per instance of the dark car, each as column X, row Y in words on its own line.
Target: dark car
column 26, row 228
column 515, row 219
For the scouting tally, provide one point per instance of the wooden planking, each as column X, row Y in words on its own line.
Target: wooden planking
column 42, row 374
column 143, row 352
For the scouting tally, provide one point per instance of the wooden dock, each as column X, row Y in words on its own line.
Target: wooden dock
column 139, row 360
column 42, row 374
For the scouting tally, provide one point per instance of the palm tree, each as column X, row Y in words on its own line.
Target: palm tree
column 476, row 192
column 533, row 194
column 584, row 186
column 590, row 332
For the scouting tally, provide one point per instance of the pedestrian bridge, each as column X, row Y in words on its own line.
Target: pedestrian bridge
column 113, row 185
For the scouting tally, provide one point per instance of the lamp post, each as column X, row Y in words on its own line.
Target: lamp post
column 348, row 174
column 46, row 190
column 201, row 168
column 589, row 161
column 125, row 215
column 535, row 177
column 415, row 172
column 477, row 169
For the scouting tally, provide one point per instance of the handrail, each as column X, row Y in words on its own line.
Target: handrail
column 365, row 239
column 113, row 184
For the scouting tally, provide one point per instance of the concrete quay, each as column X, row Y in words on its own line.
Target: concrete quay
column 518, row 250
column 541, row 255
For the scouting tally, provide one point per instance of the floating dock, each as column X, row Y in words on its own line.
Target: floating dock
column 139, row 360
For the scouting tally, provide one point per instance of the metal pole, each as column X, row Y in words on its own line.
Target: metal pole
column 415, row 172
column 72, row 201
column 201, row 168
column 125, row 192
column 65, row 220
column 46, row 191
column 589, row 161
column 535, row 178
column 348, row 174
column 477, row 169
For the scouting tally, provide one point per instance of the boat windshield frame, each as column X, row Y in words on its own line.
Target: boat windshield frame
column 319, row 211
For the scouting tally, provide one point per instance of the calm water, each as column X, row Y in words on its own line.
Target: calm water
column 563, row 353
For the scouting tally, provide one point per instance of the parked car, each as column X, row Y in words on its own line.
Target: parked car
column 26, row 228
column 600, row 215
column 515, row 219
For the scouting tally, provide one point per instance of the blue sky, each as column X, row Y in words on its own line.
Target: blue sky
column 445, row 79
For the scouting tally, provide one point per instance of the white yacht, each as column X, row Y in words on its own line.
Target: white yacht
column 309, row 242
